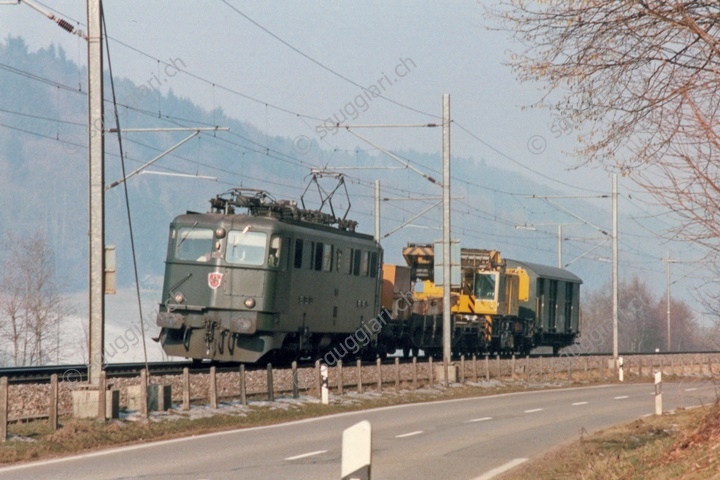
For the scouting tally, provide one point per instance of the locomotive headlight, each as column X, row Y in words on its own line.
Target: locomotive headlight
column 249, row 302
column 179, row 297
column 220, row 232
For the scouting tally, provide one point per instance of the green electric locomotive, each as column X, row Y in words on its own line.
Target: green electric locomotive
column 274, row 281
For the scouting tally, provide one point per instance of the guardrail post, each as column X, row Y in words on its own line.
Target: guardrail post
column 397, row 374
column 658, row 393
column 186, row 388
column 243, row 385
column 295, row 387
column 430, row 366
column 414, row 378
column 318, row 379
column 3, row 409
column 213, row 387
column 379, row 375
column 102, row 398
column 340, row 377
column 359, row 375
column 446, row 368
column 475, row 374
column 271, row 390
column 143, row 393
column 53, row 417
column 527, row 369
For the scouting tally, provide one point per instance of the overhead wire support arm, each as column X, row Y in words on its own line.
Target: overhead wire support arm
column 412, row 219
column 390, row 154
column 196, row 131
column 62, row 23
column 585, row 253
column 554, row 204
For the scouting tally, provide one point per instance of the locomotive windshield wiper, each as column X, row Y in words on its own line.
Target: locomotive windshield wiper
column 237, row 239
column 186, row 234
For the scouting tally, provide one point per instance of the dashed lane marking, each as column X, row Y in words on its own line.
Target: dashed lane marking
column 409, row 434
column 579, row 403
column 534, row 410
column 622, row 397
column 309, row 454
column 479, row 419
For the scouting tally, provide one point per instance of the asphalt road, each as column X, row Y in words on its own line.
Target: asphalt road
column 474, row 438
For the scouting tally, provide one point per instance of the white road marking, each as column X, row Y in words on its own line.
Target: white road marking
column 310, row 454
column 621, row 397
column 690, row 389
column 534, row 410
column 579, row 403
column 501, row 469
column 409, row 434
column 479, row 419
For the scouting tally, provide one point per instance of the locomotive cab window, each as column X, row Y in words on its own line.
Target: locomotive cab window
column 193, row 244
column 373, row 264
column 485, row 286
column 327, row 258
column 298, row 253
column 246, row 248
column 276, row 253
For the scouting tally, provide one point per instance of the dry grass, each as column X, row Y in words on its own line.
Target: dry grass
column 683, row 445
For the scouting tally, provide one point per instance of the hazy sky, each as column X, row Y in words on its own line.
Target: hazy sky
column 410, row 52
column 288, row 66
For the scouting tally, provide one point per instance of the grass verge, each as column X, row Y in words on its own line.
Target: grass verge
column 681, row 445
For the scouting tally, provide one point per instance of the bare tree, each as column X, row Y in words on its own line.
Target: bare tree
column 640, row 81
column 641, row 321
column 31, row 307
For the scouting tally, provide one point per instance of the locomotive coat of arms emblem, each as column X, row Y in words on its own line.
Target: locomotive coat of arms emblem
column 214, row 280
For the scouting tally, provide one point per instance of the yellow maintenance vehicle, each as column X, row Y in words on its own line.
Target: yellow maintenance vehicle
column 497, row 306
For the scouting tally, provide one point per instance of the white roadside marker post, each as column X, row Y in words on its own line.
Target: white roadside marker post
column 357, row 452
column 621, row 375
column 325, row 396
column 658, row 393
